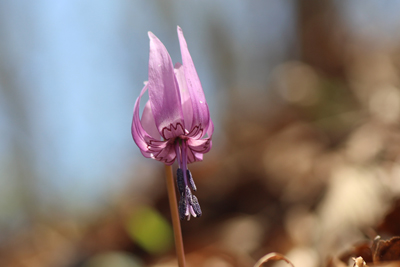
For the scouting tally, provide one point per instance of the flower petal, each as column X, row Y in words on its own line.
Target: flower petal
column 147, row 144
column 148, row 123
column 210, row 129
column 201, row 114
column 193, row 156
column 199, row 145
column 185, row 96
column 198, row 156
column 166, row 155
column 163, row 91
column 138, row 132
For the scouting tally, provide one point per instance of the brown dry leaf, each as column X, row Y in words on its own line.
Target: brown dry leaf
column 362, row 249
column 390, row 224
column 274, row 257
column 386, row 250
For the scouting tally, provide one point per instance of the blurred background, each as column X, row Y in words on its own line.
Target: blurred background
column 304, row 96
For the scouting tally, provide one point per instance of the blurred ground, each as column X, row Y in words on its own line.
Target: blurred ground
column 307, row 165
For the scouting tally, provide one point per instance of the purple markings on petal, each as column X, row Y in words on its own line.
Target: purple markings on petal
column 166, row 155
column 173, row 131
column 200, row 145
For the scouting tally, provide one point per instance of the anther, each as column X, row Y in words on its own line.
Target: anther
column 191, row 181
column 182, row 208
column 195, row 205
column 188, row 193
column 180, row 181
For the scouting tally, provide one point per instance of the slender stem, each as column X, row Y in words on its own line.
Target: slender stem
column 176, row 224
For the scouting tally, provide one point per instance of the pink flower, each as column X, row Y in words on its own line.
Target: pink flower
column 175, row 123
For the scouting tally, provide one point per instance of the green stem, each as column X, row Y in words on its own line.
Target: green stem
column 176, row 224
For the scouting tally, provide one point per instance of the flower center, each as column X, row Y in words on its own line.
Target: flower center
column 188, row 203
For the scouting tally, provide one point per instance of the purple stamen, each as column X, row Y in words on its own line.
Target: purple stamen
column 182, row 207
column 194, row 203
column 178, row 153
column 188, row 203
column 184, row 160
column 191, row 181
column 180, row 181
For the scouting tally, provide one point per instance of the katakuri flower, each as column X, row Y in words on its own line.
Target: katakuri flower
column 176, row 123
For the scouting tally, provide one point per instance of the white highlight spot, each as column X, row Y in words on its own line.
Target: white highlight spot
column 201, row 102
column 159, row 65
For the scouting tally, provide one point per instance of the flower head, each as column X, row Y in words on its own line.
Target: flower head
column 176, row 123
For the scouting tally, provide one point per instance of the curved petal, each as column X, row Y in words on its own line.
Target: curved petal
column 163, row 91
column 148, row 123
column 210, row 129
column 185, row 96
column 198, row 156
column 148, row 145
column 193, row 156
column 200, row 145
column 201, row 114
column 138, row 133
column 166, row 155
